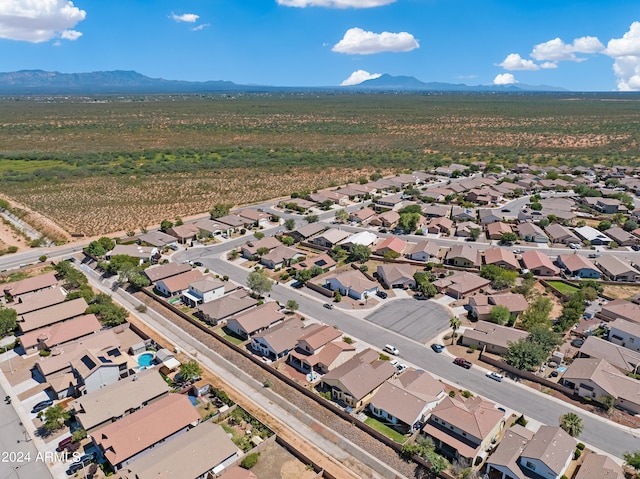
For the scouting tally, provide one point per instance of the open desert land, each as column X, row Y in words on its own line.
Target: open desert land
column 95, row 165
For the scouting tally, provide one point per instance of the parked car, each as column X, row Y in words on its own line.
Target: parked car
column 554, row 374
column 438, row 348
column 401, row 367
column 518, row 251
column 495, row 376
column 81, row 463
column 41, row 406
column 575, row 246
column 594, row 255
column 635, row 247
column 506, row 210
column 328, row 305
column 198, row 263
column 65, row 443
column 462, row 362
column 388, row 348
column 382, row 294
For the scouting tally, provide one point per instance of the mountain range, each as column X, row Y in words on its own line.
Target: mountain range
column 39, row 82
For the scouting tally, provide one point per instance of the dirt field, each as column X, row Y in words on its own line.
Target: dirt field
column 621, row 292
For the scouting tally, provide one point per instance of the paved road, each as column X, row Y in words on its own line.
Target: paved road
column 419, row 320
column 599, row 433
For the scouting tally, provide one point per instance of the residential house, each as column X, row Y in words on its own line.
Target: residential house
column 97, row 368
column 463, row 214
column 27, row 303
column 176, row 285
column 463, row 230
column 482, row 305
column 503, row 463
column 609, row 206
column 157, row 239
column 321, row 350
column 450, row 170
column 502, row 258
column 233, row 222
column 464, row 428
column 622, row 237
column 229, row 305
column 440, row 225
column 143, row 253
column 352, row 283
column 617, row 269
column 330, row 238
column 363, row 238
column 357, row 380
column 324, row 261
column 614, row 351
column 396, row 275
column 424, row 251
column 560, row 234
column 251, row 322
column 257, row 218
column 599, row 466
column 463, row 256
column 532, row 233
column 404, row 402
column 578, row 266
column 280, row 257
column 59, row 333
column 593, row 378
column 592, row 235
column 626, row 334
column 276, row 342
column 497, row 229
column 167, row 270
column 539, row 263
column 208, row 447
column 300, row 203
column 209, row 228
column 29, row 285
column 487, row 216
column 204, row 290
column 307, row 231
column 461, row 284
column 115, row 401
column 620, row 308
column 51, row 315
column 125, row 440
column 362, row 216
column 327, row 195
column 392, row 243
column 492, row 337
column 436, row 211
column 184, row 233
column 250, row 249
column 388, row 219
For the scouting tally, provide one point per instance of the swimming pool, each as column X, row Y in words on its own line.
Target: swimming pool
column 146, row 359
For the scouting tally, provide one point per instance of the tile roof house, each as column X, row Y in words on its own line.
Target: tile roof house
column 404, row 402
column 365, row 238
column 539, row 263
column 593, row 378
column 464, row 229
column 625, row 334
column 208, row 227
column 254, row 216
column 250, row 248
column 614, row 350
column 502, row 258
column 358, row 379
column 362, row 216
column 578, row 266
column 177, row 284
column 34, row 301
column 396, row 275
column 123, row 441
column 324, row 261
column 621, row 308
column 461, row 284
column 441, row 225
column 503, row 463
column 532, row 233
column 352, row 283
column 330, row 238
column 560, row 234
column 208, row 448
column 493, row 337
column 617, row 269
column 424, row 251
column 29, row 285
column 163, row 271
column 388, row 219
column 488, row 216
column 599, row 466
column 307, row 231
column 463, row 256
column 143, row 253
column 276, row 342
column 321, row 350
column 392, row 243
column 462, row 429
column 184, row 233
column 256, row 320
column 52, row 314
column 280, row 257
column 203, row 290
column 60, row 333
column 157, row 239
column 110, row 403
column 497, row 229
column 229, row 305
column 622, row 237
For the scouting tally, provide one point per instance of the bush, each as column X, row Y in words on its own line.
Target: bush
column 446, row 337
column 466, row 393
column 12, row 249
column 577, row 453
column 580, row 446
column 452, row 394
column 521, row 421
column 42, row 258
column 250, row 460
column 347, row 340
column 45, row 352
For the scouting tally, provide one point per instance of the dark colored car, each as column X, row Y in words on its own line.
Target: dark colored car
column 65, row 443
column 438, row 348
column 41, row 406
column 382, row 294
column 78, row 465
column 462, row 362
column 198, row 263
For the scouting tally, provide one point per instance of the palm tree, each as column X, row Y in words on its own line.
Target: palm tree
column 454, row 322
column 572, row 424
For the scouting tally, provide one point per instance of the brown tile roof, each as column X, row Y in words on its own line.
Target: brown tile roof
column 599, row 466
column 228, row 305
column 621, row 308
column 463, row 251
column 181, row 281
column 462, row 282
column 29, row 285
column 52, row 314
column 533, row 259
column 428, row 247
column 39, row 300
column 144, row 428
column 608, row 378
column 321, row 336
column 237, row 472
column 259, row 318
column 474, row 415
column 491, row 333
column 509, row 450
column 393, row 243
column 618, row 356
column 62, row 332
column 552, row 446
column 497, row 255
column 163, row 271
column 575, row 262
column 284, row 336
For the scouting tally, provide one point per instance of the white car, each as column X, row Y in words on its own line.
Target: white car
column 401, row 367
column 575, row 246
column 495, row 376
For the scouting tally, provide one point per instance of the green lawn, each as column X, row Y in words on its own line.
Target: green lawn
column 230, row 336
column 384, row 429
column 563, row 288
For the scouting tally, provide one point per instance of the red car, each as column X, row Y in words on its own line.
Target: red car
column 462, row 362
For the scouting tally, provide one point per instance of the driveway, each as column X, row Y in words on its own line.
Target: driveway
column 415, row 319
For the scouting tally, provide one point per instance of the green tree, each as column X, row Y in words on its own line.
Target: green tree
column 337, row 296
column 454, row 323
column 287, row 240
column 258, row 235
column 391, row 254
column 292, row 305
column 537, row 313
column 545, row 337
column 220, row 209
column 165, row 225
column 500, row 315
column 107, row 312
column 312, row 218
column 604, row 225
column 341, row 216
column 633, row 460
column 178, row 222
column 190, row 370
column 474, row 233
column 572, row 424
column 524, row 355
column 259, row 282
column 409, row 221
column 536, row 206
column 630, row 225
column 8, row 321
column 290, row 224
column 359, row 253
column 607, row 402
column 54, row 417
column 508, row 238
column 303, row 275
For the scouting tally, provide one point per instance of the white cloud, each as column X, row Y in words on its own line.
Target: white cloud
column 335, row 3
column 359, row 76
column 505, row 79
column 556, row 50
column 360, row 42
column 515, row 62
column 200, row 27
column 548, row 65
column 185, row 17
column 39, row 21
column 626, row 54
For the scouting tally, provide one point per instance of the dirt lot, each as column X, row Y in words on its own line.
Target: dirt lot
column 277, row 463
column 624, row 292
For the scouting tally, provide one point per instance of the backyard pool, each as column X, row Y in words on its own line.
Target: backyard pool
column 146, row 359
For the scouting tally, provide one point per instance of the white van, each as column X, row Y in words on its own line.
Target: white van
column 391, row 349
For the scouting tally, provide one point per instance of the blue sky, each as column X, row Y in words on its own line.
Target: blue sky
column 582, row 45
